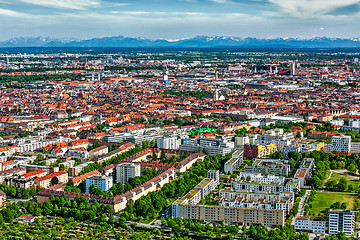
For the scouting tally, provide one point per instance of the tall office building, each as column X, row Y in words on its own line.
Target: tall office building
column 292, row 69
column 341, row 221
column 102, row 182
column 124, row 171
column 341, row 144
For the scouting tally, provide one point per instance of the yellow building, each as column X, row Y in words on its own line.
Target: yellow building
column 264, row 150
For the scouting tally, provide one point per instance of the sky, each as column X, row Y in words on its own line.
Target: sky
column 177, row 19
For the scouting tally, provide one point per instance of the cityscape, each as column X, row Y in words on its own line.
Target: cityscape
column 180, row 145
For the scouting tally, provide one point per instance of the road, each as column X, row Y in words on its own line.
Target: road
column 302, row 204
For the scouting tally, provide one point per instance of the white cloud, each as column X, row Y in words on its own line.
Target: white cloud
column 11, row 13
column 65, row 4
column 311, row 8
column 222, row 1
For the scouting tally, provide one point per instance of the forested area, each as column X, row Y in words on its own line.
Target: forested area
column 22, row 193
column 113, row 160
column 79, row 209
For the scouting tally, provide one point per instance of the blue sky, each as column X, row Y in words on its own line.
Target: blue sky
column 176, row 19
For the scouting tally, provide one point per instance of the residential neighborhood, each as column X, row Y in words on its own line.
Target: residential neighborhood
column 184, row 144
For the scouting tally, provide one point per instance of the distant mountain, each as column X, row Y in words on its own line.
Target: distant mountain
column 36, row 42
column 196, row 42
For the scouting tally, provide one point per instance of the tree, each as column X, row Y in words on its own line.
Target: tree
column 145, row 144
column 294, row 155
column 352, row 168
column 316, row 182
column 162, row 155
column 342, row 185
column 111, row 220
column 122, row 221
column 331, row 184
column 47, row 207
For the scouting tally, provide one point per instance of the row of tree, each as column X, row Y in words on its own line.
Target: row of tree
column 19, row 192
column 197, row 94
column 32, row 78
column 185, row 227
column 151, row 205
column 113, row 160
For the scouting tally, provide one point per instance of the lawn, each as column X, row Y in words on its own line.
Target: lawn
column 323, row 201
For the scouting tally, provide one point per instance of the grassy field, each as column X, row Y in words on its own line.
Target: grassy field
column 323, row 201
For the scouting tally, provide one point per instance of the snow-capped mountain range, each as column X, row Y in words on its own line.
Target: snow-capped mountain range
column 196, row 42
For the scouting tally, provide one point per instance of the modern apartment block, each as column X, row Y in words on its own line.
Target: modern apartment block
column 341, row 144
column 258, row 177
column 288, row 149
column 124, row 171
column 102, row 182
column 341, row 221
column 168, row 143
column 115, row 137
column 237, row 159
column 257, row 151
column 206, row 186
column 276, row 187
column 310, row 225
column 232, row 215
column 210, row 145
column 241, row 141
column 139, row 138
column 281, row 201
column 304, row 171
column 266, row 166
column 234, row 207
column 215, row 175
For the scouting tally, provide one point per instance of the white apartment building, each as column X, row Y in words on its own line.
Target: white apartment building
column 124, row 171
column 102, row 182
column 341, row 144
column 234, row 163
column 192, row 197
column 206, row 186
column 210, row 145
column 214, row 174
column 275, row 188
column 355, row 147
column 241, row 141
column 80, row 153
column 288, row 149
column 168, row 143
column 311, row 225
column 257, row 177
column 102, row 150
column 139, row 138
column 341, row 221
